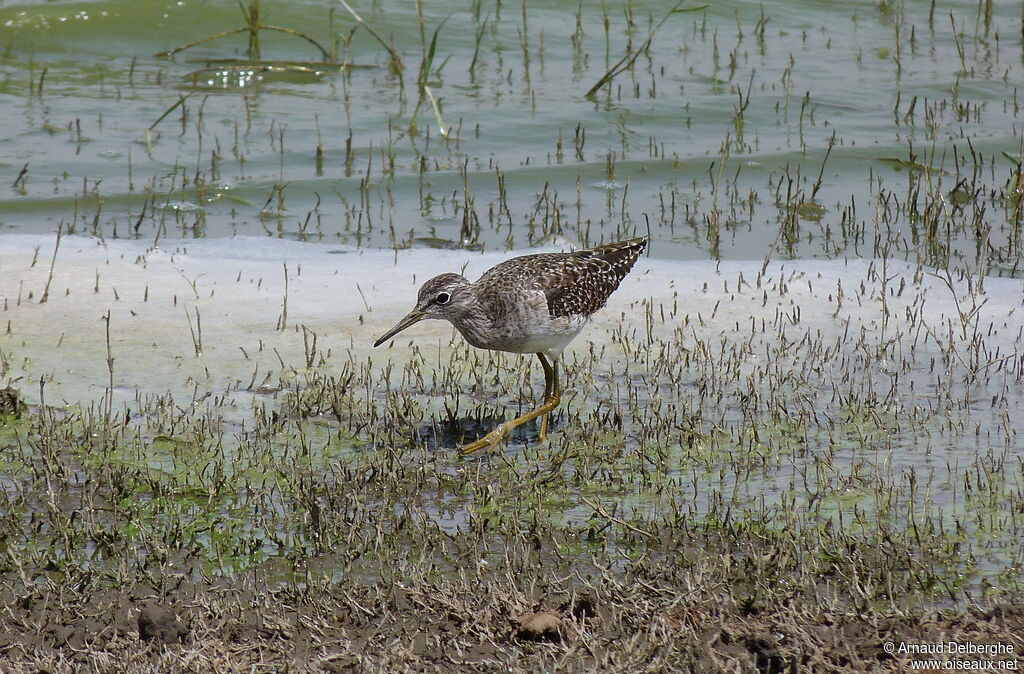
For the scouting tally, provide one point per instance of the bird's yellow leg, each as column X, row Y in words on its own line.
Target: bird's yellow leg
column 502, row 431
column 552, row 399
column 550, row 387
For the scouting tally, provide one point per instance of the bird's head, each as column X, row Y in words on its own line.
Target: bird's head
column 444, row 296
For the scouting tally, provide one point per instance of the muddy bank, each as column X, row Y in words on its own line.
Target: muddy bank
column 481, row 622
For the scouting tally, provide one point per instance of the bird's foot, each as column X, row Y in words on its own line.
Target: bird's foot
column 501, row 432
column 489, row 441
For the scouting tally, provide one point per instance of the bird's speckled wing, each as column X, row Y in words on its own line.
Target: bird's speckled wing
column 583, row 284
column 574, row 284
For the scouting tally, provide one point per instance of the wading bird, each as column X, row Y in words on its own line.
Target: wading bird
column 529, row 304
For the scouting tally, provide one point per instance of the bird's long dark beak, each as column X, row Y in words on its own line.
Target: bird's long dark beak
column 414, row 316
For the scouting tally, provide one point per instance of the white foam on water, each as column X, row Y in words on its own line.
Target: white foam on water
column 234, row 291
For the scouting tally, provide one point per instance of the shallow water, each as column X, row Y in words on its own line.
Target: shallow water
column 664, row 147
column 810, row 381
column 842, row 182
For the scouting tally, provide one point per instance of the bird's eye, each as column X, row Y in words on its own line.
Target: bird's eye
column 443, row 298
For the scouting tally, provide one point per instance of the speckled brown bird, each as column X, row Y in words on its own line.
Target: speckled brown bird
column 529, row 304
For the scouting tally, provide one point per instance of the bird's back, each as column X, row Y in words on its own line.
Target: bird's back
column 573, row 284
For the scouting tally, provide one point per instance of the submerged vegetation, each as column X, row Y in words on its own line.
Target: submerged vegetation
column 777, row 465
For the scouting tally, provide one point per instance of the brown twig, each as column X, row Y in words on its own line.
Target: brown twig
column 395, row 58
column 626, row 61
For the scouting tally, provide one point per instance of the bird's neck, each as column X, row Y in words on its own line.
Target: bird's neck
column 475, row 323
